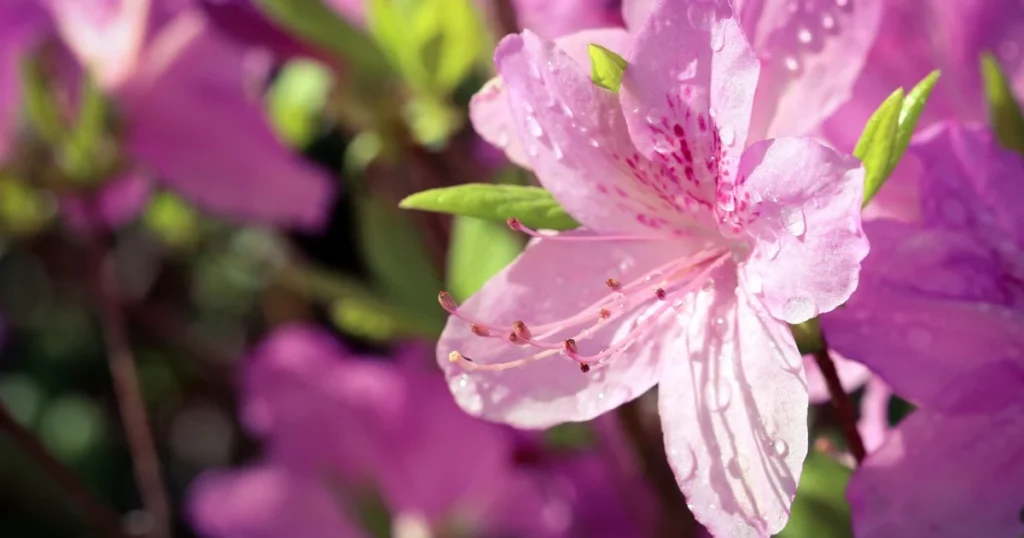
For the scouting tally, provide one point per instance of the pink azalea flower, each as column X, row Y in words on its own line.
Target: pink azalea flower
column 191, row 116
column 21, row 24
column 906, row 50
column 951, row 341
column 337, row 428
column 696, row 251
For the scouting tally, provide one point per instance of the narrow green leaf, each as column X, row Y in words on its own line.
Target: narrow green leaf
column 314, row 22
column 910, row 112
column 606, row 67
column 533, row 206
column 478, row 250
column 394, row 252
column 877, row 143
column 1003, row 109
column 80, row 148
column 40, row 104
column 820, row 507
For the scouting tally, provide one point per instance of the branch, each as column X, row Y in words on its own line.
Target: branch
column 841, row 404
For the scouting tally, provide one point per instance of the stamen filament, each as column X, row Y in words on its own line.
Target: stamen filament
column 517, row 226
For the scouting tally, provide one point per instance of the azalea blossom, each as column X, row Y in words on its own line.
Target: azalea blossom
column 340, row 431
column 951, row 342
column 191, row 116
column 554, row 19
column 695, row 253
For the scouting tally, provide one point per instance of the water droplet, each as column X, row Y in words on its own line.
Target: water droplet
column 663, row 146
column 755, row 284
column 726, row 202
column 700, row 16
column 678, row 304
column 653, row 117
column 828, row 22
column 920, row 339
column 532, row 150
column 688, row 72
column 557, row 150
column 463, row 381
column 791, row 63
column 712, row 112
column 503, row 139
column 805, row 36
column 708, row 285
column 620, row 300
column 534, row 71
column 735, row 468
column 794, row 221
column 842, row 3
column 780, row 447
column 594, row 143
column 799, row 309
column 533, row 127
column 655, row 276
column 728, row 135
column 567, row 111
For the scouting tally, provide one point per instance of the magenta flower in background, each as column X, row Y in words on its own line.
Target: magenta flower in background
column 551, row 19
column 22, row 24
column 339, row 428
column 694, row 255
column 951, row 342
column 191, row 110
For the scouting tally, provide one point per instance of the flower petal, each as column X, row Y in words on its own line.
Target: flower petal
column 551, row 281
column 733, row 407
column 489, row 108
column 105, row 35
column 577, row 143
column 267, row 500
column 190, row 119
column 943, row 297
column 852, row 375
column 874, row 414
column 20, row 25
column 635, row 12
column 809, row 238
column 688, row 92
column 812, row 53
column 555, row 19
column 897, row 492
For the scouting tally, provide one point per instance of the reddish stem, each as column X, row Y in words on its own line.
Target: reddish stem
column 843, row 408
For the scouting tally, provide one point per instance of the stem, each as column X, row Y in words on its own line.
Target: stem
column 103, row 519
column 675, row 518
column 845, row 414
column 145, row 459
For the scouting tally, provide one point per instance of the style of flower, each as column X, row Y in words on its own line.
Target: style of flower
column 696, row 251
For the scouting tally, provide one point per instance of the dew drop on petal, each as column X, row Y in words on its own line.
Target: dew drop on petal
column 594, row 143
column 700, row 16
column 779, row 447
column 799, row 309
column 503, row 139
column 717, row 40
column 792, row 63
column 663, row 146
column 794, row 221
column 718, row 399
column 567, row 111
column 805, row 36
column 728, row 135
column 557, row 151
column 735, row 468
column 828, row 22
column 653, row 117
column 688, row 72
column 533, row 127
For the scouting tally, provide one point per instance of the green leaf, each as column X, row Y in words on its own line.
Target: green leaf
column 1003, row 109
column 40, row 103
column 820, row 507
column 878, row 142
column 297, row 99
column 394, row 252
column 314, row 22
column 533, row 206
column 478, row 250
column 910, row 112
column 606, row 67
column 173, row 220
column 80, row 149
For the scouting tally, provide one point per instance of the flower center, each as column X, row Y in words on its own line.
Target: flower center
column 655, row 292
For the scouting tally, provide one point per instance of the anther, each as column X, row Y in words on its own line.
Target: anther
column 514, row 224
column 570, row 346
column 584, row 367
column 513, row 338
column 446, row 301
column 455, row 357
column 660, row 294
column 521, row 330
column 613, row 284
column 479, row 331
column 604, row 313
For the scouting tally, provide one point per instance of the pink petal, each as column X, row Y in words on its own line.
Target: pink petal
column 105, row 35
column 576, row 140
column 555, row 19
column 688, row 92
column 490, row 111
column 811, row 58
column 874, row 414
column 117, row 202
column 943, row 476
column 191, row 120
column 266, row 501
column 733, row 406
column 852, row 375
column 635, row 12
column 20, row 25
column 809, row 237
column 942, row 294
column 551, row 281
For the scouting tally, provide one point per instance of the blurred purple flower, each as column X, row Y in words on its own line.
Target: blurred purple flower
column 337, row 428
column 951, row 341
column 241, row 21
column 117, row 203
column 555, row 18
column 191, row 116
column 918, row 36
column 21, row 25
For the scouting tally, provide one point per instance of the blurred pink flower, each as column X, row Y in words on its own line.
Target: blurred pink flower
column 189, row 111
column 555, row 18
column 337, row 428
column 694, row 255
column 951, row 342
column 21, row 25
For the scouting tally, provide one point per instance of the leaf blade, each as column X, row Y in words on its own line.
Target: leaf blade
column 1004, row 111
column 533, row 206
column 876, row 144
column 606, row 67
